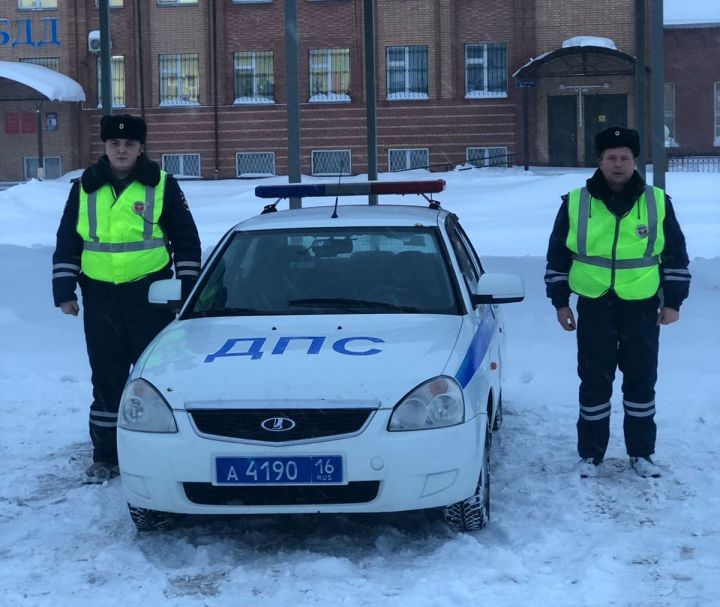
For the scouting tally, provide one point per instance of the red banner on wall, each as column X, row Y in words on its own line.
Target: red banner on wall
column 29, row 122
column 12, row 123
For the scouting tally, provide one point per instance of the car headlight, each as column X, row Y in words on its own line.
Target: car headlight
column 142, row 409
column 437, row 403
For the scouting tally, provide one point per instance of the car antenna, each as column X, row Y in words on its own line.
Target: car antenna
column 337, row 197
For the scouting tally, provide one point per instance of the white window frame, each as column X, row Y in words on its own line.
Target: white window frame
column 111, row 3
column 183, row 157
column 349, row 163
column 249, row 175
column 323, row 58
column 408, row 154
column 26, row 168
column 37, row 5
column 717, row 114
column 175, row 2
column 405, row 64
column 51, row 63
column 483, row 93
column 256, row 98
column 487, row 160
column 115, row 61
column 181, row 99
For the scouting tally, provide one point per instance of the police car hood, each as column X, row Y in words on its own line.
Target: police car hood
column 240, row 361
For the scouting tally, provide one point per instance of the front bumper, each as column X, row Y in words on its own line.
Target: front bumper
column 383, row 471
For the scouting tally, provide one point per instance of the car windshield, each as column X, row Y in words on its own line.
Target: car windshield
column 365, row 270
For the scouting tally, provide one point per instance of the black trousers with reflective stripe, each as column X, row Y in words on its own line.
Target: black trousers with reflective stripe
column 119, row 324
column 617, row 334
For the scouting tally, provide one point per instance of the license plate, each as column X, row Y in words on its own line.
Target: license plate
column 303, row 470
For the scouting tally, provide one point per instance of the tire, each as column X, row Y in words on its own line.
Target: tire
column 473, row 513
column 151, row 520
column 497, row 422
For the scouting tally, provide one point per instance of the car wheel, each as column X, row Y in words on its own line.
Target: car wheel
column 151, row 520
column 497, row 422
column 473, row 513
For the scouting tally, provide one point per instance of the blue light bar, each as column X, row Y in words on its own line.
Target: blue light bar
column 312, row 190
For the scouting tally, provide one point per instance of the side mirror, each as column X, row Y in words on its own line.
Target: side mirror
column 166, row 292
column 498, row 289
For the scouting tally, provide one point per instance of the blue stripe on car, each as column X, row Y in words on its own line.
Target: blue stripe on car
column 478, row 348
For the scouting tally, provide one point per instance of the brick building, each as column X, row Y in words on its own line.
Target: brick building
column 209, row 76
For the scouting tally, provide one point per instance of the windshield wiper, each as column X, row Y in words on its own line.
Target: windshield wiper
column 215, row 312
column 342, row 302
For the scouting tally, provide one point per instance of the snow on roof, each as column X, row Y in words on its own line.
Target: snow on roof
column 589, row 41
column 54, row 85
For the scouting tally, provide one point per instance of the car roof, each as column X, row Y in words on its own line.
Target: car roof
column 347, row 216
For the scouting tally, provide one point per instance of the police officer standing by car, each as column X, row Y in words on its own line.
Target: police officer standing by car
column 617, row 244
column 124, row 224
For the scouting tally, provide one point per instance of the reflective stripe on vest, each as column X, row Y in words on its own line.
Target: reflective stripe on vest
column 122, row 239
column 623, row 253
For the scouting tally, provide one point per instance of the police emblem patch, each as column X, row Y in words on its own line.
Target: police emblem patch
column 139, row 207
column 642, row 231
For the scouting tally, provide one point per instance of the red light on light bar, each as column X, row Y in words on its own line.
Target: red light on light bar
column 407, row 187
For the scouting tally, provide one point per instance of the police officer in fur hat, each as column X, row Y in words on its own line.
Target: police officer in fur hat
column 617, row 245
column 126, row 224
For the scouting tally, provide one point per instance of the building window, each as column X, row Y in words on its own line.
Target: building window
column 254, row 77
column 52, row 63
column 111, row 3
column 331, row 162
column 52, row 164
column 404, row 159
column 173, row 2
column 37, row 5
column 670, row 141
column 251, row 1
column 717, row 113
column 487, row 157
column 255, row 164
column 179, row 80
column 182, row 165
column 330, row 74
column 117, row 80
column 485, row 70
column 407, row 72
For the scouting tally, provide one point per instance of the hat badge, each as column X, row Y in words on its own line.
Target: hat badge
column 617, row 133
column 121, row 126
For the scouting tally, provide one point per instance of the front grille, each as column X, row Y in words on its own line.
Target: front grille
column 309, row 423
column 353, row 493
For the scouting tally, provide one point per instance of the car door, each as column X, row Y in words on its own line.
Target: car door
column 486, row 318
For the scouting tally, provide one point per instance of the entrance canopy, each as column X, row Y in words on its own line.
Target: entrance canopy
column 43, row 82
column 581, row 56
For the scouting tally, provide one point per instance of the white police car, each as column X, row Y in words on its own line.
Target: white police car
column 329, row 360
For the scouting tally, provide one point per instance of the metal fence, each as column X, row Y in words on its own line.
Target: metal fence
column 694, row 164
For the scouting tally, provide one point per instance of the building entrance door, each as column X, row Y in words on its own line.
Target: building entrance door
column 562, row 130
column 602, row 112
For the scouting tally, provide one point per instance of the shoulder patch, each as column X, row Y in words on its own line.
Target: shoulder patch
column 183, row 200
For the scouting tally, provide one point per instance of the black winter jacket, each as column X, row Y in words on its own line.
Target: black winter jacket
column 675, row 278
column 175, row 221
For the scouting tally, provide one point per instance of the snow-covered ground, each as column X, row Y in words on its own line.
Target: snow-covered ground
column 553, row 540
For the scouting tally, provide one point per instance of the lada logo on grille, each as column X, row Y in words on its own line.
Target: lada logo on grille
column 277, row 424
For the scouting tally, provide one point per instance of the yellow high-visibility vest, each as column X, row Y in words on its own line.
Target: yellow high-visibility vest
column 616, row 253
column 122, row 240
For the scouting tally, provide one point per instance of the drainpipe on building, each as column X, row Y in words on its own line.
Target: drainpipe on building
column 213, row 8
column 370, row 97
column 41, row 159
column 141, row 72
column 640, row 85
column 293, row 97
